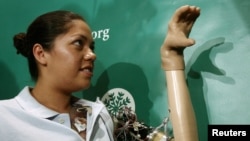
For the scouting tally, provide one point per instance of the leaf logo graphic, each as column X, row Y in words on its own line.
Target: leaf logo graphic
column 115, row 100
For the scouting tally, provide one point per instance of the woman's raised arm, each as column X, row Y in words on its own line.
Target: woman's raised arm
column 177, row 39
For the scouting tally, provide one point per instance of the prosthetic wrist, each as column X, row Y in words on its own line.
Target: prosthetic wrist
column 172, row 58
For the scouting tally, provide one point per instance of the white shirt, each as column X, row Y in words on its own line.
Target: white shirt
column 24, row 119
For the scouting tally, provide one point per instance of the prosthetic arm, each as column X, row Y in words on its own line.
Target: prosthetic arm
column 177, row 39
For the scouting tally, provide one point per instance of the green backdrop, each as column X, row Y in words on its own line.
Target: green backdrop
column 217, row 66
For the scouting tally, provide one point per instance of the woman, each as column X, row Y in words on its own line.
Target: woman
column 60, row 52
column 59, row 48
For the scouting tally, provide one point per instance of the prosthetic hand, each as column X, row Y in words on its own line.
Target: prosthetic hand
column 177, row 39
column 181, row 111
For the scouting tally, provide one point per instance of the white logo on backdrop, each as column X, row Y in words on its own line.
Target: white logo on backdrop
column 116, row 99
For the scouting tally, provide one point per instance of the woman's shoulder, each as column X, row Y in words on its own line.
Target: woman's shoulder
column 7, row 103
column 12, row 103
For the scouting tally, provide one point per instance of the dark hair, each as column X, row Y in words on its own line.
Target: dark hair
column 43, row 30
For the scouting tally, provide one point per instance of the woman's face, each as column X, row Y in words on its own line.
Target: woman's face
column 71, row 60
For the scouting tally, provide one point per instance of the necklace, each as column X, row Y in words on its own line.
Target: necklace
column 78, row 118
